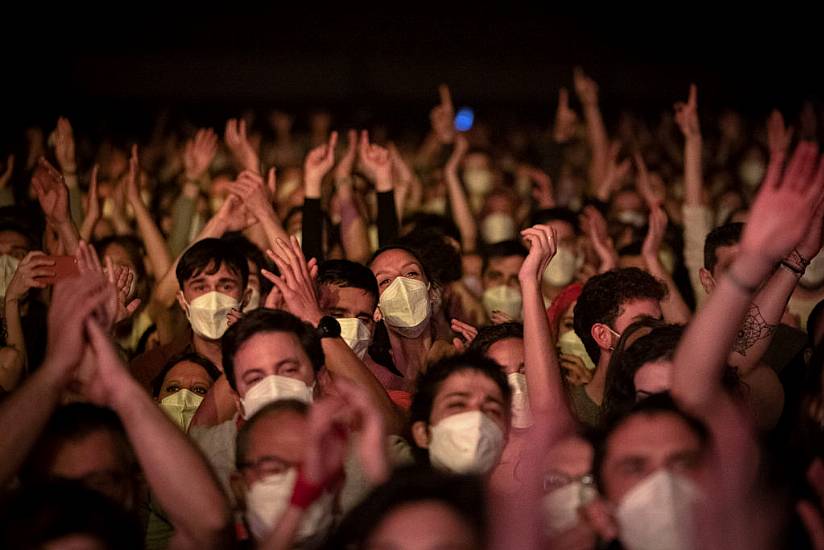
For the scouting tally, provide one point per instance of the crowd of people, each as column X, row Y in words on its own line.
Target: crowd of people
column 570, row 338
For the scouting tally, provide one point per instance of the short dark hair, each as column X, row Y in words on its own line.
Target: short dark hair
column 429, row 383
column 603, row 296
column 558, row 213
column 193, row 357
column 264, row 320
column 490, row 334
column 255, row 255
column 502, row 249
column 73, row 422
column 660, row 403
column 724, row 235
column 463, row 494
column 348, row 274
column 211, row 254
column 281, row 405
column 443, row 261
column 439, row 223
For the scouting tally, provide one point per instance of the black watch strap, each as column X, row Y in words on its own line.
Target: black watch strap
column 328, row 327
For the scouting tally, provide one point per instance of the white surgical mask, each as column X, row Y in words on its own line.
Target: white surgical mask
column 436, row 205
column 561, row 505
column 405, row 306
column 478, row 180
column 657, row 514
column 632, row 217
column 253, row 302
column 208, row 314
column 751, row 172
column 521, row 413
column 497, row 227
column 356, row 335
column 814, row 275
column 215, row 203
column 561, row 269
column 181, row 406
column 268, row 499
column 570, row 344
column 8, row 265
column 468, row 442
column 274, row 388
column 503, row 298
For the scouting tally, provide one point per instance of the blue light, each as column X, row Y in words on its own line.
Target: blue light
column 464, row 119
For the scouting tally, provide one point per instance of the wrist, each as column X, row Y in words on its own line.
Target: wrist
column 383, row 183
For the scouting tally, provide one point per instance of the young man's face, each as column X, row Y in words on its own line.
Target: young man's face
column 509, row 353
column 268, row 353
column 725, row 256
column 224, row 280
column 647, row 442
column 14, row 244
column 347, row 302
column 502, row 270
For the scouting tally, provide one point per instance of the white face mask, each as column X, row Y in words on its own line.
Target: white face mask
column 521, row 413
column 208, row 314
column 503, row 298
column 274, row 388
column 478, row 180
column 299, row 236
column 268, row 499
column 405, row 306
column 751, row 172
column 181, row 406
column 570, row 344
column 657, row 514
column 561, row 269
column 561, row 505
column 464, row 443
column 356, row 335
column 814, row 275
column 8, row 265
column 253, row 302
column 215, row 203
column 498, row 227
column 436, row 205
column 631, row 217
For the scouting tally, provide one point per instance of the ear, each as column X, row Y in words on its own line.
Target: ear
column 181, row 301
column 599, row 516
column 377, row 316
column 238, row 402
column 238, row 486
column 420, row 433
column 602, row 336
column 247, row 295
column 707, row 280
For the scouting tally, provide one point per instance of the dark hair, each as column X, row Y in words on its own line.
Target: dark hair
column 462, row 494
column 632, row 249
column 242, row 440
column 490, row 334
column 136, row 251
column 724, row 235
column 348, row 274
column 192, row 357
column 264, row 320
column 559, row 213
column 433, row 249
column 604, row 295
column 661, row 403
column 34, row 515
column 253, row 254
column 441, row 224
column 502, row 249
column 415, row 254
column 429, row 384
column 73, row 422
column 211, row 254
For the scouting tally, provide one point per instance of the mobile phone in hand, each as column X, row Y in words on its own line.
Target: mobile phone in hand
column 65, row 267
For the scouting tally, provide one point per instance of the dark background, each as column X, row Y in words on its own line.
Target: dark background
column 121, row 64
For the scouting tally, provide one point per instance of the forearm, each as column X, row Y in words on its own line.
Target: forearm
column 697, row 225
column 693, row 176
column 156, row 249
column 461, row 211
column 176, row 472
column 11, row 368
column 75, row 200
column 182, row 214
column 68, row 236
column 673, row 306
column 598, row 141
column 353, row 231
column 14, row 327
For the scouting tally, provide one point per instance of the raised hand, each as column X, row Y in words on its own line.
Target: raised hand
column 778, row 135
column 241, row 148
column 132, row 178
column 442, row 117
column 64, row 146
column 542, row 192
column 595, row 227
column 31, row 268
column 375, row 162
column 101, row 378
column 318, row 163
column 686, row 115
column 327, row 443
column 655, row 235
column 199, row 152
column 402, row 172
column 566, row 120
column 256, row 197
column 296, row 280
column 543, row 243
column 643, row 183
column 5, row 177
column 575, row 372
column 585, row 88
column 614, row 174
column 785, row 207
column 458, row 153
column 343, row 170
column 234, row 216
column 52, row 193
column 123, row 280
column 467, row 331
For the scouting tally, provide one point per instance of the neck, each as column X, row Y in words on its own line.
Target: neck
column 209, row 349
column 595, row 388
column 409, row 354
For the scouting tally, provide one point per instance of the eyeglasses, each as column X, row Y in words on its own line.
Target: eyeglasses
column 266, row 466
column 556, row 480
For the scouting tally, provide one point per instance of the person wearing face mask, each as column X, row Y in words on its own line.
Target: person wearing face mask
column 501, row 290
column 212, row 279
column 460, row 415
column 181, row 385
column 563, row 268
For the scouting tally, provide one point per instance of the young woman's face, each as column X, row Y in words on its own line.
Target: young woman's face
column 396, row 263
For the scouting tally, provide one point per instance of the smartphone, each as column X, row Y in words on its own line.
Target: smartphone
column 65, row 267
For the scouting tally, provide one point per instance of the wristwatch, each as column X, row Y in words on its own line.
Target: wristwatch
column 328, row 327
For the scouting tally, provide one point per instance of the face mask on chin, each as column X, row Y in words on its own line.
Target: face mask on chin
column 268, row 499
column 274, row 388
column 208, row 314
column 181, row 407
column 468, row 442
column 406, row 307
column 503, row 298
column 356, row 335
column 658, row 513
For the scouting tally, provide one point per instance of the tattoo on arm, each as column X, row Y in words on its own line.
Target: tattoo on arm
column 753, row 329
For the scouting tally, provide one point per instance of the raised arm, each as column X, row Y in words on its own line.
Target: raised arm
column 243, row 153
column 461, row 212
column 64, row 150
column 587, row 91
column 354, row 235
column 317, row 164
column 377, row 165
column 53, row 196
column 443, row 130
column 257, row 198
